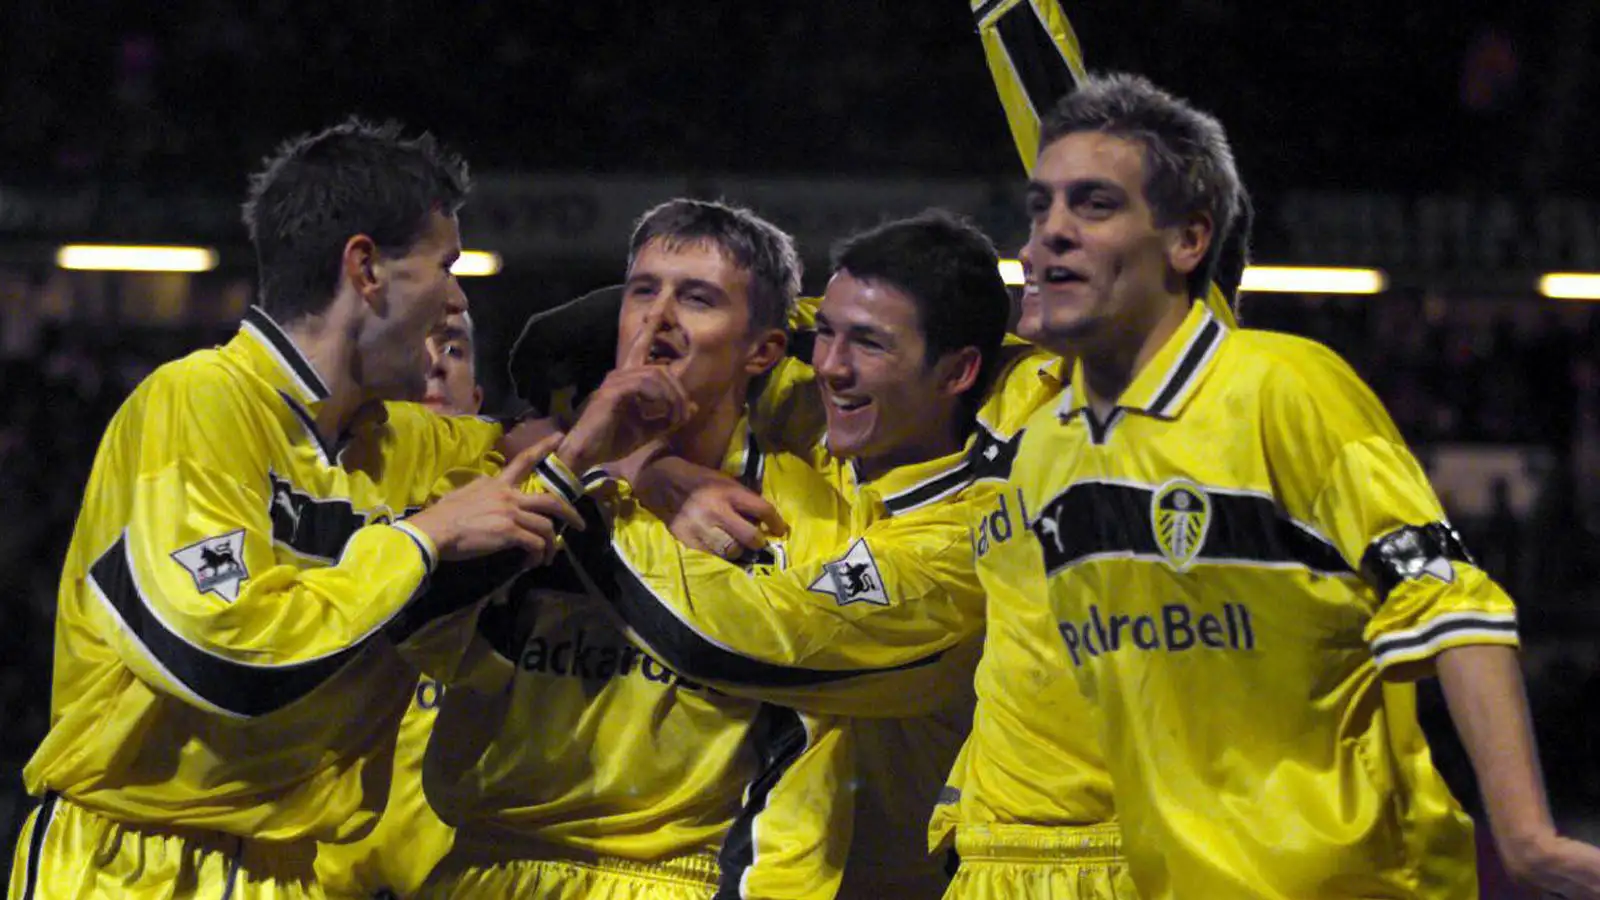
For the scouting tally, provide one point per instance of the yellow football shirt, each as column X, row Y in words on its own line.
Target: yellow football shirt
column 1033, row 757
column 233, row 590
column 1246, row 562
column 881, row 622
column 409, row 839
column 588, row 748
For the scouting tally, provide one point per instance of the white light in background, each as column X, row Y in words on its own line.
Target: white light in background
column 135, row 258
column 1312, row 280
column 476, row 263
column 1570, row 285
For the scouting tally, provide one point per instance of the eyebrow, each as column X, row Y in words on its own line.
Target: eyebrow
column 689, row 284
column 1089, row 183
column 686, row 284
column 857, row 329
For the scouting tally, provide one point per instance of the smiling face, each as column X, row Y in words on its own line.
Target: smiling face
column 698, row 300
column 887, row 403
column 1098, row 265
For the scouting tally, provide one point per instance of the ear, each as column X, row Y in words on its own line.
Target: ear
column 1189, row 244
column 766, row 350
column 959, row 371
column 360, row 265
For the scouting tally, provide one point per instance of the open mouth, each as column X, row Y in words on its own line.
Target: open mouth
column 662, row 352
column 848, row 404
column 1059, row 275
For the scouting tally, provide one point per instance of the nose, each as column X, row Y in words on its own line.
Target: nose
column 664, row 310
column 455, row 299
column 830, row 359
column 1057, row 232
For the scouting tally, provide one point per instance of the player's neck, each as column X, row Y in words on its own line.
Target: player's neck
column 942, row 437
column 704, row 441
column 1110, row 365
column 331, row 352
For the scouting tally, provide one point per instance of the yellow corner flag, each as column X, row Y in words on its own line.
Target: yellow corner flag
column 1034, row 57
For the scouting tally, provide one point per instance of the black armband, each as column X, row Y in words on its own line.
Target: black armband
column 1413, row 552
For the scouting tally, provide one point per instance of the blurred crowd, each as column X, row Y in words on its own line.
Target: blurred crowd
column 193, row 90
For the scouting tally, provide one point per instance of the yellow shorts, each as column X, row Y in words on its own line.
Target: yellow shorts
column 600, row 878
column 1023, row 862
column 66, row 852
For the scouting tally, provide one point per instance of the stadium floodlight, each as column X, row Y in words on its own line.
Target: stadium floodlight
column 1011, row 272
column 135, row 258
column 1570, row 285
column 476, row 263
column 1312, row 280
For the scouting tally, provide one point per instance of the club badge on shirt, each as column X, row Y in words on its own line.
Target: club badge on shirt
column 216, row 564
column 1180, row 513
column 853, row 578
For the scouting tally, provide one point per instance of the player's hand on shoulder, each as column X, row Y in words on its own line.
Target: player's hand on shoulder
column 493, row 513
column 706, row 509
column 1559, row 866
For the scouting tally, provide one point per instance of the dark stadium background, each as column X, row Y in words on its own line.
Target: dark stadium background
column 1448, row 143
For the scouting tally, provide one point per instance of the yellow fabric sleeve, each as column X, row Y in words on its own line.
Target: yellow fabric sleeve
column 1344, row 471
column 871, row 629
column 207, row 611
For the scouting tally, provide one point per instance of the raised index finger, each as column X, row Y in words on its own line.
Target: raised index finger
column 521, row 465
column 639, row 350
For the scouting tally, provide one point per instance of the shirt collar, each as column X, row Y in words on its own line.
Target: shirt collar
column 277, row 359
column 915, row 485
column 1163, row 386
column 744, row 459
column 269, row 354
column 1053, row 372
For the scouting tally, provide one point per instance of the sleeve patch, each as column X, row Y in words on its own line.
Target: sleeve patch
column 216, row 564
column 1413, row 553
column 853, row 578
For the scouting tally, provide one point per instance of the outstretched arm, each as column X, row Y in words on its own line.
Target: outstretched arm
column 1483, row 688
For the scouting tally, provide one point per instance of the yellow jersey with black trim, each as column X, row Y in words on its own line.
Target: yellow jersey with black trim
column 1246, row 563
column 881, row 621
column 858, row 619
column 234, row 589
column 1033, row 757
column 587, row 747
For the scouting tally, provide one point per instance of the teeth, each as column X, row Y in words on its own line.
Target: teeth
column 1058, row 275
column 847, row 404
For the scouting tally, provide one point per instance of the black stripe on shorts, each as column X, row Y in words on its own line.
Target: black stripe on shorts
column 41, row 824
